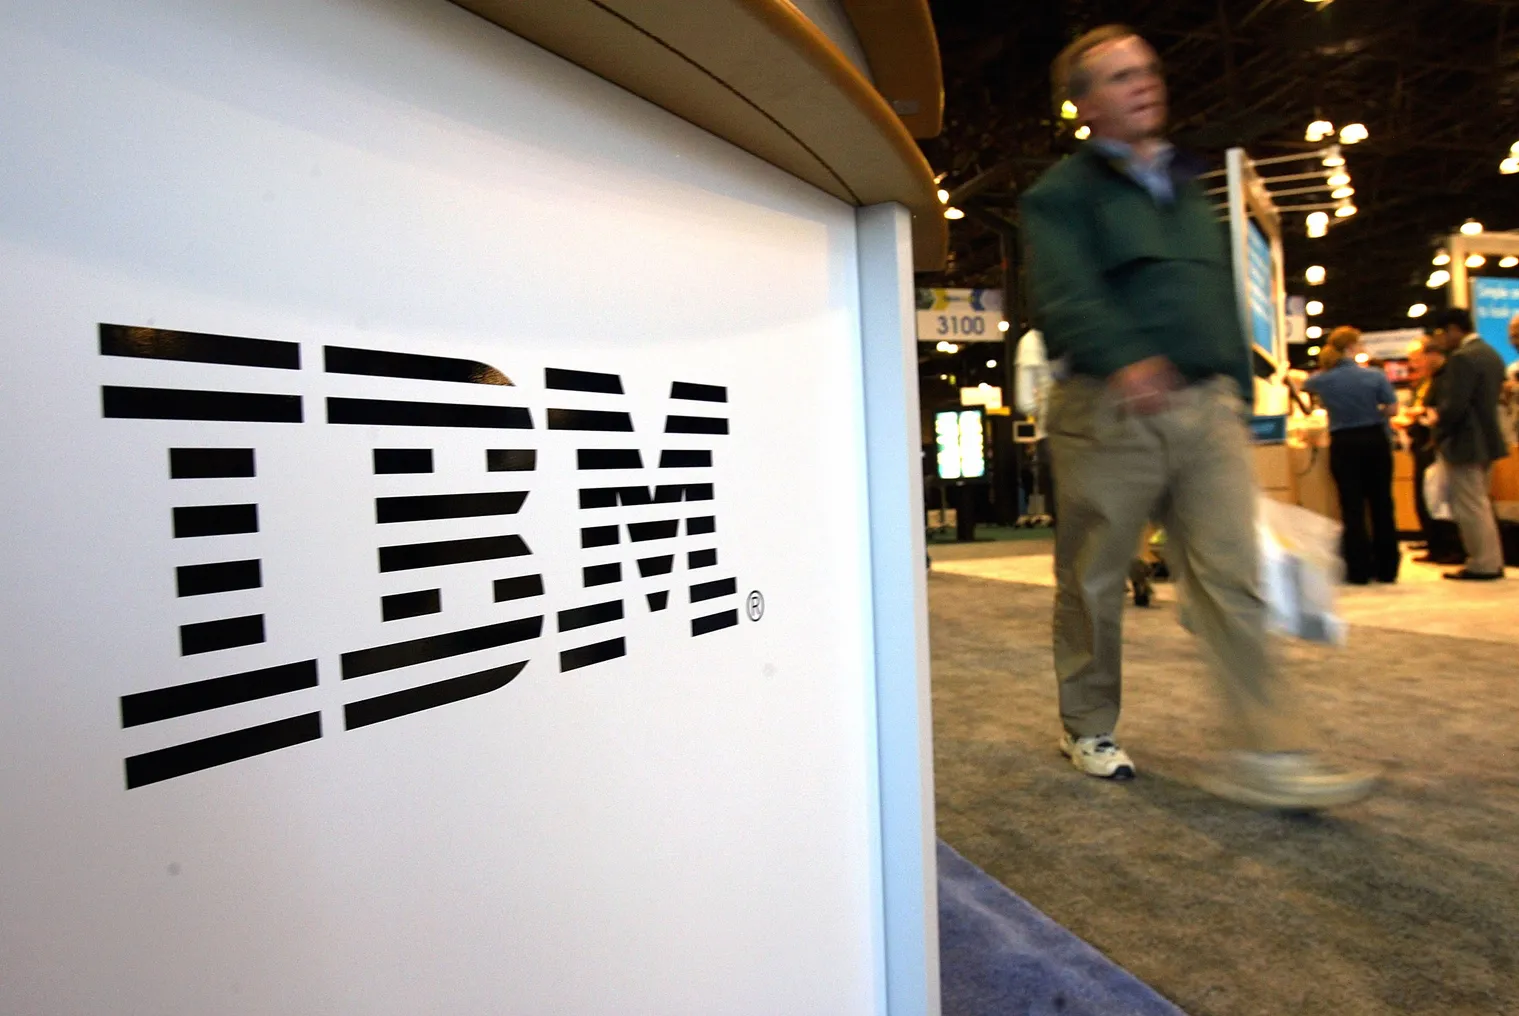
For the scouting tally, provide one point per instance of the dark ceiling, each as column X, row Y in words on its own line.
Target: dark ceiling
column 1436, row 82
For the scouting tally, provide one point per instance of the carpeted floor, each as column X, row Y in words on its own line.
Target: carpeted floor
column 1406, row 904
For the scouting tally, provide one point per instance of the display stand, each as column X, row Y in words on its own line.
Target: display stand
column 464, row 524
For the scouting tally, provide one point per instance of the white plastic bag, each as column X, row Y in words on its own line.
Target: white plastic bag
column 1300, row 568
column 1437, row 491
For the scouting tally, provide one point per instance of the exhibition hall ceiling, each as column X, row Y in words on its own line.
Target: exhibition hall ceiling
column 1435, row 82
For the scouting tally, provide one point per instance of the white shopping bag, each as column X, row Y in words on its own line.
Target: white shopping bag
column 1300, row 568
column 1437, row 491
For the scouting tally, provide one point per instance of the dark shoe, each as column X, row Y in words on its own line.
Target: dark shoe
column 1471, row 576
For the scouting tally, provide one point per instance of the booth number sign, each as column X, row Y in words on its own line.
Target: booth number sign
column 959, row 315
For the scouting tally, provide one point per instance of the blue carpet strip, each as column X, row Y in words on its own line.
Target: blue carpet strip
column 1001, row 957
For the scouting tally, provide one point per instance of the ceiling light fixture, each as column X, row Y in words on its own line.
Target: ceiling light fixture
column 1475, row 261
column 1314, row 350
column 1314, row 275
column 1334, row 160
column 1314, row 308
column 1318, row 224
column 1340, row 193
column 953, row 213
column 1509, row 262
column 1339, row 179
column 1318, row 130
column 1345, row 211
column 943, row 196
column 991, row 363
column 1441, row 258
column 1438, row 279
column 1003, row 326
column 1418, row 310
column 1509, row 166
column 1471, row 227
column 1314, row 332
column 1354, row 134
column 1068, row 110
column 1083, row 132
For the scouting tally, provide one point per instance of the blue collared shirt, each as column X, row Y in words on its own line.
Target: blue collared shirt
column 1154, row 176
column 1353, row 395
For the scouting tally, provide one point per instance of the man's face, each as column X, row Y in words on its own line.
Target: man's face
column 1127, row 98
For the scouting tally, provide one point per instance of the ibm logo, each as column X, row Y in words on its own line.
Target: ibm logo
column 629, row 565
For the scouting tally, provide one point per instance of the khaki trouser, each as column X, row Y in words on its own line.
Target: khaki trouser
column 1472, row 508
column 1189, row 469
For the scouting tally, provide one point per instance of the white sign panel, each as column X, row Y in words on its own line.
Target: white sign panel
column 959, row 315
column 391, row 626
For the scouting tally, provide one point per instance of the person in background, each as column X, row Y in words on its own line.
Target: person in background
column 1359, row 401
column 1442, row 541
column 1470, row 440
column 1131, row 286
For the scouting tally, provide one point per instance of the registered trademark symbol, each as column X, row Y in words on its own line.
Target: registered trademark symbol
column 756, row 606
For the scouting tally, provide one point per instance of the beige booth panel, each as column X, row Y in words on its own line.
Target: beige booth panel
column 760, row 75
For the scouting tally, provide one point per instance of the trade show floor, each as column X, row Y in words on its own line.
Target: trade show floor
column 1405, row 904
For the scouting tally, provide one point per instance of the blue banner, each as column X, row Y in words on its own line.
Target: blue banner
column 1495, row 303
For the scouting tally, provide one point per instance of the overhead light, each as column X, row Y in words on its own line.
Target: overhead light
column 943, row 377
column 1475, row 261
column 1341, row 193
column 1003, row 326
column 1471, row 227
column 1354, row 134
column 1068, row 110
column 1509, row 262
column 1318, row 130
column 1418, row 310
column 1314, row 350
column 1314, row 332
column 1334, row 160
column 991, row 363
column 953, row 213
column 1363, row 358
column 1314, row 275
column 943, row 196
column 1441, row 258
column 1083, row 132
column 1509, row 166
column 941, row 176
column 1345, row 211
column 947, row 347
column 1314, row 308
column 1339, row 179
column 1438, row 279
column 1318, row 224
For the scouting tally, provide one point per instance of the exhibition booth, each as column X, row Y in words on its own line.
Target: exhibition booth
column 464, row 548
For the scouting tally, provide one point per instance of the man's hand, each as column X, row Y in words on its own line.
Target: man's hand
column 1145, row 387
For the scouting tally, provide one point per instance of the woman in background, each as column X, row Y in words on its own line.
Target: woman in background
column 1359, row 401
column 1442, row 538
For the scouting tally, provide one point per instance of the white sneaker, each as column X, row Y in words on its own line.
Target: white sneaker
column 1289, row 780
column 1097, row 756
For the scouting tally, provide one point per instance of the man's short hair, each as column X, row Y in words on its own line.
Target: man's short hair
column 1069, row 76
column 1455, row 317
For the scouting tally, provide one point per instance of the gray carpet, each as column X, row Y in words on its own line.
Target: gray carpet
column 1408, row 903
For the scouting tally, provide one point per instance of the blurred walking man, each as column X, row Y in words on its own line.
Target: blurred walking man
column 1470, row 440
column 1132, row 285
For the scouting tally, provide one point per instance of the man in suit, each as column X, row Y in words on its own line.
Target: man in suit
column 1470, row 440
column 1132, row 286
